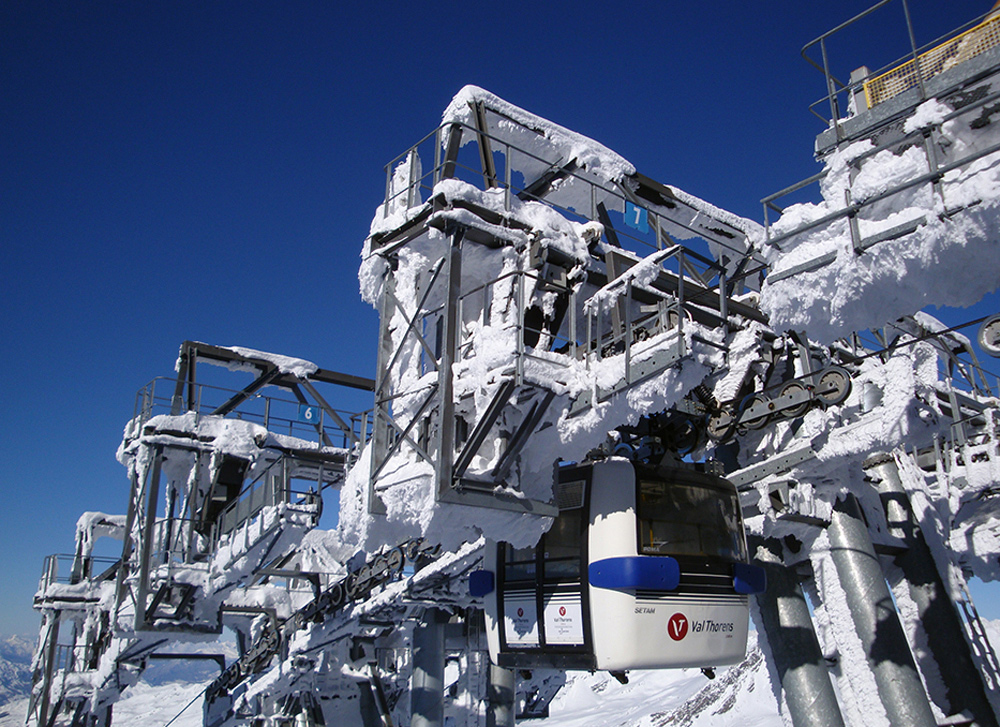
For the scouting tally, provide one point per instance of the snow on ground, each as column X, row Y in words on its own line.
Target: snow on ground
column 737, row 697
column 683, row 698
column 146, row 706
column 12, row 714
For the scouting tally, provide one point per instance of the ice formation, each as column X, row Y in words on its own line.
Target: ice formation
column 894, row 227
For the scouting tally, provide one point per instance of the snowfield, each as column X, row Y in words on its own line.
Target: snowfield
column 738, row 697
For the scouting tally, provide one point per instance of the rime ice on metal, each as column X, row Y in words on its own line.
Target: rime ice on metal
column 541, row 302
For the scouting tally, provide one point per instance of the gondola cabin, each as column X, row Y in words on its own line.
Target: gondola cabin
column 643, row 569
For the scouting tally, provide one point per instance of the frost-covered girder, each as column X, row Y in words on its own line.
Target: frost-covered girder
column 545, row 162
column 219, row 504
column 270, row 370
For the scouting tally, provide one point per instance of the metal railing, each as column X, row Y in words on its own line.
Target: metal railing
column 72, row 569
column 633, row 324
column 72, row 658
column 483, row 298
column 588, row 333
column 270, row 488
column 175, row 542
column 926, row 65
column 853, row 207
column 910, row 71
column 416, row 183
column 276, row 414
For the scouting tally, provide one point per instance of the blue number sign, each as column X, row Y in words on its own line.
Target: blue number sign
column 308, row 414
column 636, row 217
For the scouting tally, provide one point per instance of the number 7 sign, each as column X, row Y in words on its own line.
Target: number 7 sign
column 636, row 217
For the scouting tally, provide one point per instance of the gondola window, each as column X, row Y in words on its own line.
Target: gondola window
column 678, row 518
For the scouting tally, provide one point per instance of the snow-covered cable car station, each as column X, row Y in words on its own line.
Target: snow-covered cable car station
column 613, row 425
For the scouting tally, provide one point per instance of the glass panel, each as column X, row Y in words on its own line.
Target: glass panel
column 564, row 547
column 679, row 518
column 519, row 564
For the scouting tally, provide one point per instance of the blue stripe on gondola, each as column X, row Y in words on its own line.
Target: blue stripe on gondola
column 660, row 573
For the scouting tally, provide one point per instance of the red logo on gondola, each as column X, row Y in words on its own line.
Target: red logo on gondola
column 677, row 626
column 562, row 610
column 520, row 612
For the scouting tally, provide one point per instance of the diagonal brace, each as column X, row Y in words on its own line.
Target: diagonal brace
column 482, row 428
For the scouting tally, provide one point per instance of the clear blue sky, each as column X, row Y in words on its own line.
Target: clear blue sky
column 208, row 170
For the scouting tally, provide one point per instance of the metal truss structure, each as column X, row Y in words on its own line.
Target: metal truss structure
column 239, row 495
column 653, row 286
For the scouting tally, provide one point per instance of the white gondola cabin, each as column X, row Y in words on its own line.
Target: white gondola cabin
column 643, row 569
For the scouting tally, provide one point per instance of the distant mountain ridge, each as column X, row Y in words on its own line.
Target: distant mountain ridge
column 15, row 667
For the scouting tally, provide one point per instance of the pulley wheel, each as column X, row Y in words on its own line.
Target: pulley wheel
column 395, row 559
column 413, row 549
column 758, row 421
column 720, row 425
column 795, row 389
column 834, row 386
column 380, row 568
column 989, row 336
column 336, row 596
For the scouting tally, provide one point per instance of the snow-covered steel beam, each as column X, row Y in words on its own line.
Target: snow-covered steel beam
column 291, row 369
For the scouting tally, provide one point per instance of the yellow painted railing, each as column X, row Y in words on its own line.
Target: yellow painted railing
column 959, row 49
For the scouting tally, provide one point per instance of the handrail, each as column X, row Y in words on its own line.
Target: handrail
column 835, row 86
column 230, row 517
column 768, row 202
column 506, row 184
column 271, row 418
column 929, row 63
column 80, row 568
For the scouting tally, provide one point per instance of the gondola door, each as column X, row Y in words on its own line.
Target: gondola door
column 543, row 609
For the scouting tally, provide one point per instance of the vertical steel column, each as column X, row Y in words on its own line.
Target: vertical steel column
column 128, row 547
column 942, row 625
column 875, row 618
column 148, row 533
column 792, row 642
column 370, row 716
column 449, row 346
column 48, row 667
column 383, row 383
column 427, row 682
column 104, row 718
column 500, row 697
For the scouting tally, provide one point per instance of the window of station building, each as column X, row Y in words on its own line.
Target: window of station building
column 683, row 518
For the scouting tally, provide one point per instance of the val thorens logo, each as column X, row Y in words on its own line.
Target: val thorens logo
column 677, row 626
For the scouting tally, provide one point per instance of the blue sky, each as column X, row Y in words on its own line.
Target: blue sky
column 208, row 171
